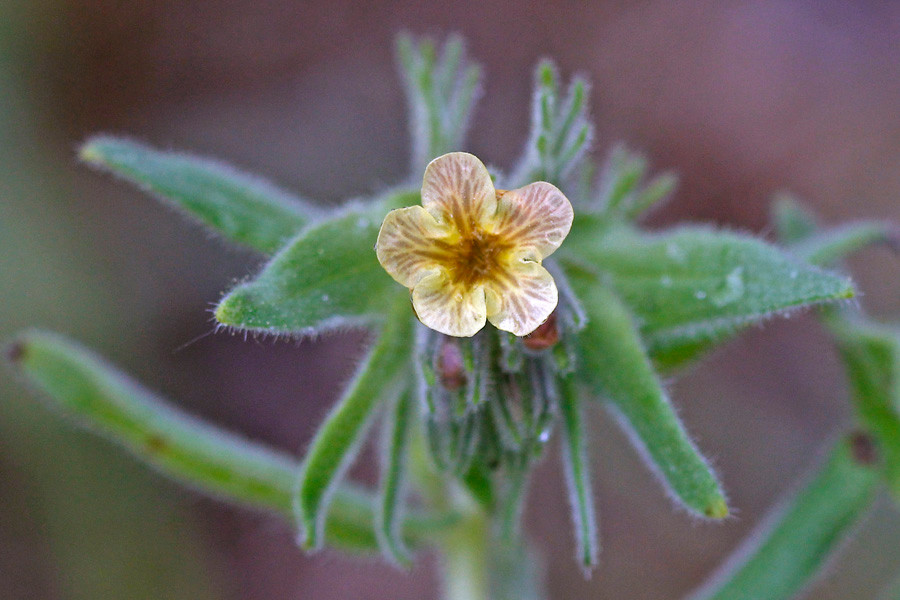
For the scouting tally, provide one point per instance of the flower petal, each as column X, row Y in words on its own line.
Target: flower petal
column 525, row 303
column 405, row 245
column 458, row 189
column 449, row 309
column 537, row 216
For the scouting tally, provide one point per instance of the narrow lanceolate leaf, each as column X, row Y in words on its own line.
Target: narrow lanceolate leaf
column 441, row 90
column 221, row 464
column 241, row 208
column 783, row 557
column 339, row 437
column 578, row 480
column 616, row 368
column 391, row 495
column 871, row 356
column 831, row 245
column 693, row 287
column 326, row 278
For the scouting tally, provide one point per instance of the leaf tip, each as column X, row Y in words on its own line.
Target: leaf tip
column 717, row 509
column 847, row 292
column 230, row 310
column 92, row 152
column 309, row 541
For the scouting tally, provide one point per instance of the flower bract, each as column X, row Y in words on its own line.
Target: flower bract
column 473, row 253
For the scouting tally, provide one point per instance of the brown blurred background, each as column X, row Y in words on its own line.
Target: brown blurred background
column 742, row 98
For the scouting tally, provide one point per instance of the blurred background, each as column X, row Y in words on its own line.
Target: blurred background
column 743, row 99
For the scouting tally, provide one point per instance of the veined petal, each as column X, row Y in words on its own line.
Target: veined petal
column 537, row 215
column 524, row 303
column 458, row 189
column 449, row 309
column 405, row 245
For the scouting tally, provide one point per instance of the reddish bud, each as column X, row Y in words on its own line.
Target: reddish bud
column 545, row 336
column 451, row 370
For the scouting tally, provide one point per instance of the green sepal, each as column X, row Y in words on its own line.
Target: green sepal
column 578, row 480
column 693, row 287
column 561, row 132
column 442, row 88
column 793, row 544
column 392, row 490
column 353, row 511
column 616, row 368
column 338, row 439
column 326, row 278
column 241, row 208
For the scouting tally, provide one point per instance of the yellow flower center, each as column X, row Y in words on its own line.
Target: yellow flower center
column 476, row 257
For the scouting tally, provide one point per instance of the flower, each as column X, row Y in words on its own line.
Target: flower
column 471, row 253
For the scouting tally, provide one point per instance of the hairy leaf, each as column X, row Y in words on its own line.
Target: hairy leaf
column 326, row 278
column 339, row 437
column 241, row 208
column 561, row 132
column 441, row 90
column 219, row 463
column 793, row 543
column 693, row 287
column 617, row 368
column 578, row 479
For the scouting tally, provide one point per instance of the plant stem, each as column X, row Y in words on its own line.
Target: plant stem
column 465, row 562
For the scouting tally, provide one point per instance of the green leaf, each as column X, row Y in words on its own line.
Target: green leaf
column 578, row 480
column 396, row 438
column 338, row 439
column 561, row 132
column 215, row 462
column 871, row 356
column 326, row 278
column 241, row 208
column 831, row 245
column 693, row 287
column 793, row 543
column 441, row 90
column 616, row 367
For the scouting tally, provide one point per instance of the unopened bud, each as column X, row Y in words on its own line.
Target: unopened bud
column 450, row 367
column 545, row 336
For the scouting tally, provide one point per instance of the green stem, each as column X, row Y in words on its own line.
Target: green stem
column 465, row 566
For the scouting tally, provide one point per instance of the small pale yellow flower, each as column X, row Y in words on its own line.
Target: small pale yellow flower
column 471, row 253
